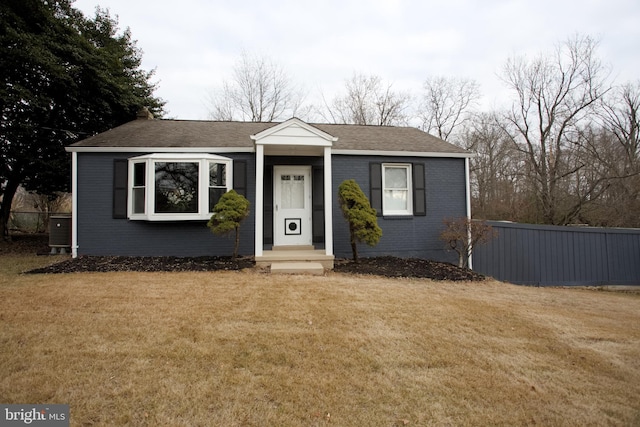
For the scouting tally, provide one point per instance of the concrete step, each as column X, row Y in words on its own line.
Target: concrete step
column 301, row 256
column 296, row 248
column 314, row 268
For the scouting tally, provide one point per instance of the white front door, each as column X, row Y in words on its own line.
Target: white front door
column 292, row 205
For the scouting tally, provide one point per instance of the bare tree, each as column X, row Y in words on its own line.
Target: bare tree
column 616, row 148
column 622, row 119
column 446, row 103
column 555, row 95
column 259, row 91
column 368, row 102
column 497, row 190
column 462, row 235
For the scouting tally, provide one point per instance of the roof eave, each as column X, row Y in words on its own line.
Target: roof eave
column 347, row 152
column 404, row 153
column 129, row 149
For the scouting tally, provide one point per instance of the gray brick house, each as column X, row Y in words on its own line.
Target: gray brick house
column 147, row 188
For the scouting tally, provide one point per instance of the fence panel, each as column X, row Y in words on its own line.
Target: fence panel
column 546, row 255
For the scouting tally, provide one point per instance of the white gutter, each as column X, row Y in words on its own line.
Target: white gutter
column 129, row 149
column 73, row 149
column 401, row 153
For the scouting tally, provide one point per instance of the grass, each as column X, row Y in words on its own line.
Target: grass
column 249, row 349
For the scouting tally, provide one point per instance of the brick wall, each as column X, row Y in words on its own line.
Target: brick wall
column 413, row 236
column 100, row 234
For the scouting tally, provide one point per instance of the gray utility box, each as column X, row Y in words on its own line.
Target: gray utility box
column 59, row 232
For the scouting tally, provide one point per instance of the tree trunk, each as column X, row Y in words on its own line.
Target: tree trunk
column 354, row 248
column 237, row 243
column 5, row 206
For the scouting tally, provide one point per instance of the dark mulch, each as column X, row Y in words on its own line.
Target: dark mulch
column 383, row 266
column 148, row 264
column 408, row 267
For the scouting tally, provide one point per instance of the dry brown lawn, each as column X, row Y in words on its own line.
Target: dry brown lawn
column 250, row 349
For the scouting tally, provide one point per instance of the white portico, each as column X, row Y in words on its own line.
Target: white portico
column 292, row 142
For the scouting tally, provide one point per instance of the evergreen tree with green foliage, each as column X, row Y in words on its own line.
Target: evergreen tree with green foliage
column 363, row 223
column 63, row 77
column 227, row 215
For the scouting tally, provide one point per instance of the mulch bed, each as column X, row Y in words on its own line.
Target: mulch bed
column 407, row 267
column 382, row 266
column 106, row 264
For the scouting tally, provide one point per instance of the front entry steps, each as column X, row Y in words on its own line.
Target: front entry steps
column 314, row 268
column 295, row 260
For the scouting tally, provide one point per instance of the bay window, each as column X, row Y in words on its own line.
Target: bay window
column 176, row 187
column 172, row 187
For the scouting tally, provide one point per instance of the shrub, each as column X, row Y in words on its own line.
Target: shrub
column 227, row 215
column 363, row 223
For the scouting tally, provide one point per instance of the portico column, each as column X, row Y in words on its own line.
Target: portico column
column 259, row 208
column 328, row 203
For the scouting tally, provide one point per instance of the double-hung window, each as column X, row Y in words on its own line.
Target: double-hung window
column 396, row 189
column 174, row 187
column 139, row 188
column 217, row 182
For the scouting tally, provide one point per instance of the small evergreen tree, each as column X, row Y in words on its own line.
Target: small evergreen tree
column 227, row 215
column 363, row 223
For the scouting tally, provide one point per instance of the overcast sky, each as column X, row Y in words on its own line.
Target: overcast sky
column 193, row 44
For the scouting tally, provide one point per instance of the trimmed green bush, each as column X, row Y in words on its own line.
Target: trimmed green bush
column 227, row 215
column 363, row 223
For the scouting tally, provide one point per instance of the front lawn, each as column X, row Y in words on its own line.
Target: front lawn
column 247, row 348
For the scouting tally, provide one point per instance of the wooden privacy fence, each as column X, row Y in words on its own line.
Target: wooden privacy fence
column 545, row 255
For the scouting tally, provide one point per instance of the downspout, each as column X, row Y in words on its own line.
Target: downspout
column 74, row 204
column 468, row 202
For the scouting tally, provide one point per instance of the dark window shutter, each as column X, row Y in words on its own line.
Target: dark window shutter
column 267, row 213
column 317, row 202
column 419, row 193
column 240, row 177
column 375, row 186
column 120, row 190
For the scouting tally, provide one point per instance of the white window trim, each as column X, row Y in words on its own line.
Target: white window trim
column 409, row 211
column 203, row 161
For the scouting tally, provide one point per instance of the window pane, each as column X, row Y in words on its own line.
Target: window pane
column 214, row 196
column 395, row 200
column 292, row 189
column 138, row 200
column 395, row 177
column 176, row 189
column 217, row 175
column 138, row 174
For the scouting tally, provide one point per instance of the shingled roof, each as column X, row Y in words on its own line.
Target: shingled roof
column 206, row 134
